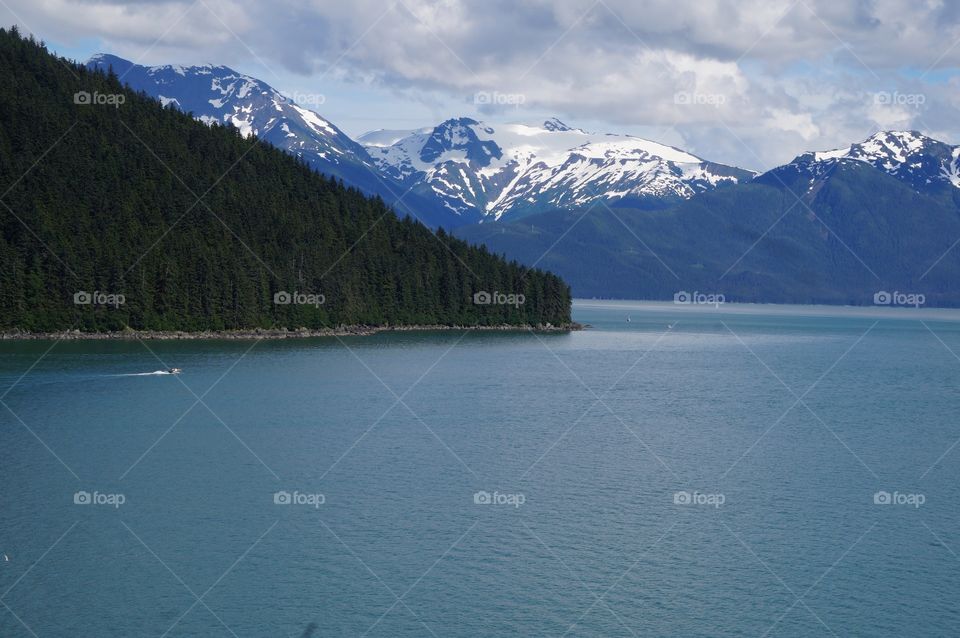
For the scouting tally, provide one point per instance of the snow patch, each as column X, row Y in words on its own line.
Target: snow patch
column 314, row 121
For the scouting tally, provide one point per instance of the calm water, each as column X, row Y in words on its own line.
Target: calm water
column 716, row 478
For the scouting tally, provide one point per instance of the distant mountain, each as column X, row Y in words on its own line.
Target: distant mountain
column 459, row 172
column 923, row 163
column 484, row 172
column 220, row 94
column 835, row 227
column 109, row 234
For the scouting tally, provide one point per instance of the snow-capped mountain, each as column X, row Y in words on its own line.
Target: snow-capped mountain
column 459, row 172
column 222, row 95
column 483, row 171
column 922, row 162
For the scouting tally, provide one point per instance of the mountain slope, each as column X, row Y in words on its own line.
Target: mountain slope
column 218, row 94
column 94, row 208
column 486, row 172
column 855, row 231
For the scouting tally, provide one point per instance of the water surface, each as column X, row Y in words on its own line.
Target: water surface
column 673, row 470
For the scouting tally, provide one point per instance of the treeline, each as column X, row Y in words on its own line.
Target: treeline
column 99, row 190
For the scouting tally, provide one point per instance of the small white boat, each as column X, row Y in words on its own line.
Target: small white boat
column 174, row 370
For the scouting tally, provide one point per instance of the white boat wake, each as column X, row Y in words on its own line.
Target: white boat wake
column 145, row 374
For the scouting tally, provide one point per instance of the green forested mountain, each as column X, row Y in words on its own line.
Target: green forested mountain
column 103, row 197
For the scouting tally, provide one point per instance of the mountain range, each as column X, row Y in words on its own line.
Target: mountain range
column 490, row 172
column 621, row 216
column 459, row 172
column 836, row 227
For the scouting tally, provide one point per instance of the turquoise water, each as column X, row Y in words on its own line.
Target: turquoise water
column 716, row 478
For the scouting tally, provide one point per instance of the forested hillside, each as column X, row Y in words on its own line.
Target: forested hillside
column 194, row 227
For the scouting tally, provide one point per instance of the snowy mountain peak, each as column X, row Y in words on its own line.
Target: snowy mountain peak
column 219, row 95
column 554, row 124
column 481, row 171
column 216, row 94
column 122, row 67
column 460, row 135
column 921, row 161
column 883, row 145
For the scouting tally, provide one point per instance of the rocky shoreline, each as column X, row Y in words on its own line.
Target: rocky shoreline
column 274, row 333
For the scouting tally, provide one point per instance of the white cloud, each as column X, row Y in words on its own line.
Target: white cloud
column 799, row 123
column 785, row 76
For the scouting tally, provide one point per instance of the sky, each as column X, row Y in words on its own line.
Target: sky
column 749, row 82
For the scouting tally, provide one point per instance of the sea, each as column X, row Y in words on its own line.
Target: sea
column 671, row 470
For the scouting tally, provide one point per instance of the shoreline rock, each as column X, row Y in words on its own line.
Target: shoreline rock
column 272, row 333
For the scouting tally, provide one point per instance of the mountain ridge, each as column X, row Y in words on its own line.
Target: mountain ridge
column 828, row 229
column 458, row 172
column 492, row 171
column 923, row 162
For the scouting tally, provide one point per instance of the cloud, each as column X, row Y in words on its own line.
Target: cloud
column 785, row 76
